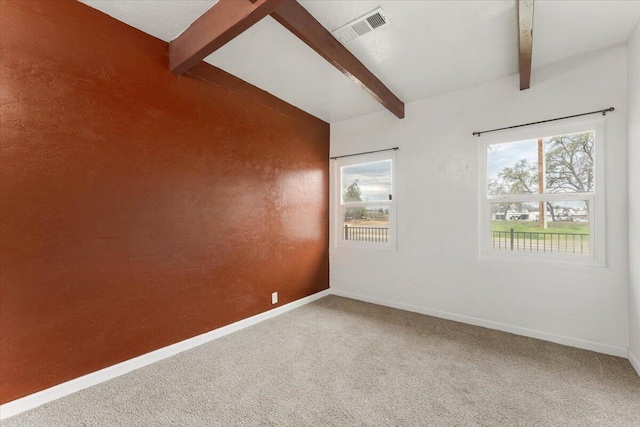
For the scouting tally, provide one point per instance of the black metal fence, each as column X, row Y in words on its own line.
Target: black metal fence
column 567, row 243
column 366, row 234
column 511, row 240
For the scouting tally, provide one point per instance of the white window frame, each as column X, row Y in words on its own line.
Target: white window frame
column 595, row 199
column 392, row 204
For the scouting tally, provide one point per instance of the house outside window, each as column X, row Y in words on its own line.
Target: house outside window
column 542, row 194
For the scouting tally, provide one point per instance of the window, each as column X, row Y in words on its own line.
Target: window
column 366, row 208
column 542, row 195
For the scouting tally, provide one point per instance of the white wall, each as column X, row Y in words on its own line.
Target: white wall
column 633, row 49
column 436, row 268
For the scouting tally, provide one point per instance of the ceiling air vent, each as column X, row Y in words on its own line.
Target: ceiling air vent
column 361, row 26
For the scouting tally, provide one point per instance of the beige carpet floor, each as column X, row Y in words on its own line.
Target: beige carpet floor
column 339, row 362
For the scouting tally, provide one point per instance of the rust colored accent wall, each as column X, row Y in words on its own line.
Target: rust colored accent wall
column 139, row 208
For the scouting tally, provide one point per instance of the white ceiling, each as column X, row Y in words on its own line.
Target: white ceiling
column 430, row 47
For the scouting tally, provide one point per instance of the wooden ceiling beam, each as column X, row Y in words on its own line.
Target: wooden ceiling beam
column 216, row 27
column 525, row 41
column 296, row 19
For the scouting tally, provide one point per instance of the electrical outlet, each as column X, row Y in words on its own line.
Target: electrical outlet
column 274, row 298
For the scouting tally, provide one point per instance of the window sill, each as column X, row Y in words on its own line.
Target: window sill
column 548, row 258
column 375, row 247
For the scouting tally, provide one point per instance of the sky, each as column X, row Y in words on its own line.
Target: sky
column 374, row 179
column 500, row 156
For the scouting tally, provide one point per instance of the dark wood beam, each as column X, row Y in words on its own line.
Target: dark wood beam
column 525, row 41
column 296, row 19
column 216, row 27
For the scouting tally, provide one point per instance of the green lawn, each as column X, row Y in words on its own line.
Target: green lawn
column 533, row 227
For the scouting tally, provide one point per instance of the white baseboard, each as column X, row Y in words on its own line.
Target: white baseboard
column 546, row 336
column 34, row 400
column 635, row 361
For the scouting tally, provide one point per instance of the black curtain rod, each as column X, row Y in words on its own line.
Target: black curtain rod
column 604, row 113
column 366, row 152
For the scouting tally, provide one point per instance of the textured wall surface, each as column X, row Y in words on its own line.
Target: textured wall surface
column 139, row 208
column 633, row 62
column 437, row 266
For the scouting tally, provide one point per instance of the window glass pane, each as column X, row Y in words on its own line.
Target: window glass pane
column 569, row 163
column 563, row 228
column 368, row 224
column 366, row 182
column 512, row 168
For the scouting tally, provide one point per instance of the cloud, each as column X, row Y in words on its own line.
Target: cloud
column 374, row 179
column 500, row 156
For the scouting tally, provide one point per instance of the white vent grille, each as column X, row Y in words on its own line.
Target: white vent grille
column 361, row 26
column 345, row 34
